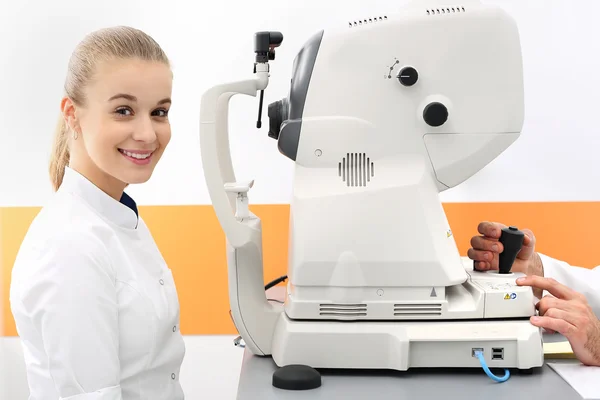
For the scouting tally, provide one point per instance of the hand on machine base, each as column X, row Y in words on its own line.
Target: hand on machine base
column 567, row 312
column 563, row 310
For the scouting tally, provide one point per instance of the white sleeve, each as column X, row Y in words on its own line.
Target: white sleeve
column 71, row 301
column 583, row 280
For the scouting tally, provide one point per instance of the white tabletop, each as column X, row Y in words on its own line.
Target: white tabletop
column 257, row 374
column 256, row 383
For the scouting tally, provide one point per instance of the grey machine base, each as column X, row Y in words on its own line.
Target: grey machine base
column 423, row 384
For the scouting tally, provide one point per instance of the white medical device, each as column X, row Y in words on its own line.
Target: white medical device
column 382, row 115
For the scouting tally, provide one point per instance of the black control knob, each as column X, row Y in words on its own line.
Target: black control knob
column 512, row 241
column 435, row 114
column 408, row 76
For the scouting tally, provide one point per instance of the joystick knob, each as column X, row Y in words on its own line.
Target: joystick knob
column 512, row 241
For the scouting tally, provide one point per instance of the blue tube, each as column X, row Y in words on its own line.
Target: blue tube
column 479, row 355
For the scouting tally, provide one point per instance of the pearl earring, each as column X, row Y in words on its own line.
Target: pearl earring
column 74, row 134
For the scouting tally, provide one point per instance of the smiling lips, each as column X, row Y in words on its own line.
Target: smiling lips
column 139, row 157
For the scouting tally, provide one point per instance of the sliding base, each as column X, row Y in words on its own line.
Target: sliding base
column 402, row 345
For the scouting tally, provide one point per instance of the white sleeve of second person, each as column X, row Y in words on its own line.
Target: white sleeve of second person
column 583, row 280
column 72, row 302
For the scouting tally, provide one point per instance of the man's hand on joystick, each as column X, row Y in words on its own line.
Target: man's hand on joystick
column 486, row 249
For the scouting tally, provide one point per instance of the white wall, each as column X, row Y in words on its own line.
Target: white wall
column 211, row 42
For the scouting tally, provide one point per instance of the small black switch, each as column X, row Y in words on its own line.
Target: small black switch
column 408, row 76
column 512, row 241
column 435, row 114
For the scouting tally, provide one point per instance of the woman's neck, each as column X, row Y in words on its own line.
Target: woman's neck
column 105, row 182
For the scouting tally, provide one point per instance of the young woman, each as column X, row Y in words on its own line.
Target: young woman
column 94, row 302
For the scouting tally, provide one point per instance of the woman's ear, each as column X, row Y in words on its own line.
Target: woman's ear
column 68, row 110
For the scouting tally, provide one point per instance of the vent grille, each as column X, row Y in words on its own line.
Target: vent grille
column 343, row 310
column 356, row 169
column 447, row 10
column 352, row 24
column 417, row 309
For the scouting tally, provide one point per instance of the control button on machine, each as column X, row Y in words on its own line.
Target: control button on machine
column 435, row 114
column 408, row 76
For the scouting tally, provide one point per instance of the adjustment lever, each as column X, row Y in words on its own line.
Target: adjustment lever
column 260, row 106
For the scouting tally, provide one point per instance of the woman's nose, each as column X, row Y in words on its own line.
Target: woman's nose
column 145, row 131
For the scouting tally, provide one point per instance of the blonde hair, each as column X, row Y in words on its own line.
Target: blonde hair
column 121, row 42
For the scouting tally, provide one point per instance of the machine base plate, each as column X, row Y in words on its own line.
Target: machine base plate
column 400, row 345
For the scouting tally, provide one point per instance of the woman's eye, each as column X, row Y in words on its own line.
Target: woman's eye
column 123, row 111
column 161, row 112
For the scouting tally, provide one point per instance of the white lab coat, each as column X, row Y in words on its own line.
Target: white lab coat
column 582, row 280
column 94, row 302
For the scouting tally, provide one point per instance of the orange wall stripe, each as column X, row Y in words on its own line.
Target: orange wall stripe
column 197, row 256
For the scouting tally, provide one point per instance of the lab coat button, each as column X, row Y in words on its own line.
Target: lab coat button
column 174, row 328
column 162, row 282
column 172, row 376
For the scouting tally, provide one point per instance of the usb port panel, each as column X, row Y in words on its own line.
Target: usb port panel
column 498, row 353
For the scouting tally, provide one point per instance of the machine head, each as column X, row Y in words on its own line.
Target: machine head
column 435, row 81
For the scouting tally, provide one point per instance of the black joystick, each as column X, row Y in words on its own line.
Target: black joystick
column 512, row 240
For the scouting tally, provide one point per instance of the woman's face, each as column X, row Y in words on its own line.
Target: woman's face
column 123, row 128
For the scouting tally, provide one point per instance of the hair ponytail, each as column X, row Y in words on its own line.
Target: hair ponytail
column 59, row 158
